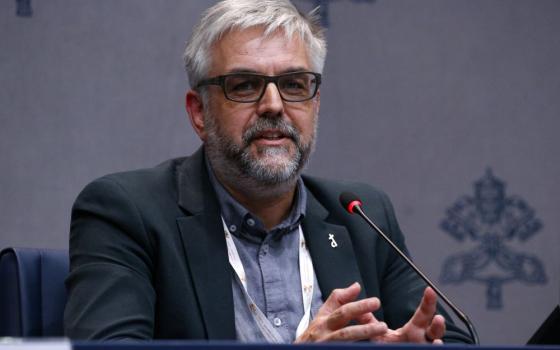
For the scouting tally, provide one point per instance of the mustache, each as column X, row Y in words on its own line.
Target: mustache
column 263, row 124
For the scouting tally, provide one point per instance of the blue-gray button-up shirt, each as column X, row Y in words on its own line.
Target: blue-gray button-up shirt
column 271, row 263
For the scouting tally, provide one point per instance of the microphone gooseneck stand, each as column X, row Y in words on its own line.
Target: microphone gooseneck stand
column 354, row 206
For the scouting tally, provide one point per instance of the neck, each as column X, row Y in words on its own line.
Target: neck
column 271, row 204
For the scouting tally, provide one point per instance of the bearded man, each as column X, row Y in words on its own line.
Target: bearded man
column 233, row 242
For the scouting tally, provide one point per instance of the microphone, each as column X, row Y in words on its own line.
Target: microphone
column 353, row 205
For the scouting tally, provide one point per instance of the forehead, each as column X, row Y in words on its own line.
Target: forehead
column 251, row 50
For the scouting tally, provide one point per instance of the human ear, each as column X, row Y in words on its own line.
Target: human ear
column 195, row 109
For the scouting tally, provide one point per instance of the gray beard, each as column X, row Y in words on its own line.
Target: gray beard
column 272, row 167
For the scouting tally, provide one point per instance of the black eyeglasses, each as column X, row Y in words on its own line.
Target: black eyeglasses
column 249, row 87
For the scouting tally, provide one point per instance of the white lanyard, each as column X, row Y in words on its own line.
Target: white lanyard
column 306, row 277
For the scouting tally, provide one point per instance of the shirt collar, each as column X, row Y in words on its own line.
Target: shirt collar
column 243, row 223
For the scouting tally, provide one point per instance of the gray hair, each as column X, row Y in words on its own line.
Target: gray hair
column 273, row 15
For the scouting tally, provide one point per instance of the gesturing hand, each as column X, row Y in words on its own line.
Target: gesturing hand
column 341, row 307
column 331, row 322
column 423, row 327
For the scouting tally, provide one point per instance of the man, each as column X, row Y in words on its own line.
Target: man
column 231, row 242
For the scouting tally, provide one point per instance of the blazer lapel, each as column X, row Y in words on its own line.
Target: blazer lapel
column 205, row 248
column 331, row 250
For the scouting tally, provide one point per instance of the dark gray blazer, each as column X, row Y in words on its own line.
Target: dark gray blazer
column 148, row 257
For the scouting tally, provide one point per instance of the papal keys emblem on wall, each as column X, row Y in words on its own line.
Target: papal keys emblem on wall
column 492, row 222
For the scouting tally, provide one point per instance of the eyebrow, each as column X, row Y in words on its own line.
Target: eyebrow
column 252, row 71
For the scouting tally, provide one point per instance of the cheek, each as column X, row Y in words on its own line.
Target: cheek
column 232, row 122
column 305, row 122
column 312, row 128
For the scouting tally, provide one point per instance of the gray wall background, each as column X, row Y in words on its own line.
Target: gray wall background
column 430, row 92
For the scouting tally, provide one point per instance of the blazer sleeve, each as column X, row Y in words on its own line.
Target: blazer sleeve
column 110, row 291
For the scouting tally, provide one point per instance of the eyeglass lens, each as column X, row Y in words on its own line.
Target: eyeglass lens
column 292, row 87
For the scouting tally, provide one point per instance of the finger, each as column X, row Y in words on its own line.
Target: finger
column 369, row 318
column 351, row 311
column 366, row 318
column 339, row 297
column 437, row 342
column 426, row 310
column 436, row 330
column 359, row 332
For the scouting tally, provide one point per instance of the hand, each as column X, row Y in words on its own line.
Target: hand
column 341, row 307
column 423, row 327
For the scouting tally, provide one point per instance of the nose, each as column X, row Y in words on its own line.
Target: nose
column 271, row 103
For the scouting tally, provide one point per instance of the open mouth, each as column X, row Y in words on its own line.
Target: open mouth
column 271, row 135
